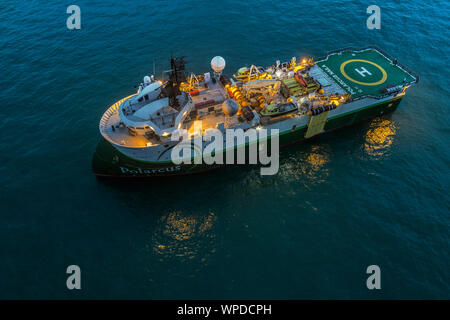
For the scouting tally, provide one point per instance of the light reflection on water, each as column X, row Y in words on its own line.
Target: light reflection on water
column 379, row 137
column 312, row 162
column 307, row 165
column 184, row 236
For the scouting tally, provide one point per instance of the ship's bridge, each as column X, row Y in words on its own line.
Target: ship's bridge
column 366, row 72
column 156, row 115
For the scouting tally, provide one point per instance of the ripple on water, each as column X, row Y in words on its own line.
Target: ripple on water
column 183, row 237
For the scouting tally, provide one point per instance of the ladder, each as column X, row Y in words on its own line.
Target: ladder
column 316, row 124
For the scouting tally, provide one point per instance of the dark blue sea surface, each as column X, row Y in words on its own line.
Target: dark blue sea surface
column 375, row 193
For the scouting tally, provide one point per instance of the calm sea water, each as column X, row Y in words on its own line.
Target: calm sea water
column 375, row 193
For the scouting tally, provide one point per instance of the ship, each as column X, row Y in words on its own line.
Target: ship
column 301, row 98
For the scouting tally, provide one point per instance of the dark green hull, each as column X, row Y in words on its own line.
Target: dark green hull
column 109, row 162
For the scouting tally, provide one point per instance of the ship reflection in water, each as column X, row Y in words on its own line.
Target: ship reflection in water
column 379, row 137
column 309, row 166
column 184, row 236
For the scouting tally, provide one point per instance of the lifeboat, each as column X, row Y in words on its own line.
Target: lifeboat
column 242, row 74
column 252, row 73
column 298, row 76
column 275, row 110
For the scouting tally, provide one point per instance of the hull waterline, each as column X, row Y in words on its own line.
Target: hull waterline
column 109, row 162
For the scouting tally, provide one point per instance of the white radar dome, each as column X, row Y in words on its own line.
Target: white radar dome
column 147, row 80
column 218, row 64
column 230, row 107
